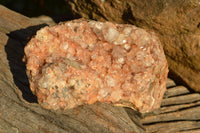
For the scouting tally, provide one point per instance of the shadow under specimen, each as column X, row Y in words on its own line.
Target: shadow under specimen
column 15, row 53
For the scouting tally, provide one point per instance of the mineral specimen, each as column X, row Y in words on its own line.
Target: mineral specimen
column 81, row 62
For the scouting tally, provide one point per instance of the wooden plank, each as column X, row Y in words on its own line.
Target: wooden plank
column 169, row 127
column 23, row 120
column 174, row 108
column 180, row 112
column 191, row 131
column 6, row 127
column 175, row 91
column 185, row 114
column 181, row 99
column 170, row 83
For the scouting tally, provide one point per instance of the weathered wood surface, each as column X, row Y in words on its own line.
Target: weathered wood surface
column 19, row 110
column 180, row 112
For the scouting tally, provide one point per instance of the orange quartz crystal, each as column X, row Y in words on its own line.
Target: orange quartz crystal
column 81, row 62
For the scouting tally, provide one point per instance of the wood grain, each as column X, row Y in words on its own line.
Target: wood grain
column 180, row 113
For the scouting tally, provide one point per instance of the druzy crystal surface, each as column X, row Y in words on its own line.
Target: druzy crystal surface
column 81, row 62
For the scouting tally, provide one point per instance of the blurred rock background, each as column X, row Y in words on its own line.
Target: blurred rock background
column 56, row 9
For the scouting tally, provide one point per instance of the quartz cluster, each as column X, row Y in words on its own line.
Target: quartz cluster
column 81, row 62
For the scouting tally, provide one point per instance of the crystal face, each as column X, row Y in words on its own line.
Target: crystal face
column 81, row 62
